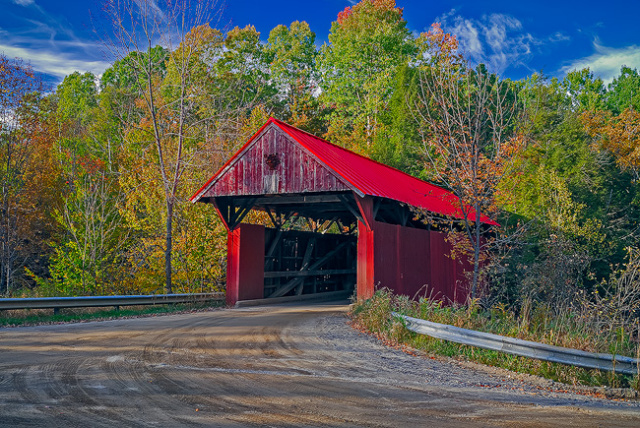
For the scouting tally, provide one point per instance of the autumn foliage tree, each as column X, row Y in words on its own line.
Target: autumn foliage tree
column 18, row 86
column 468, row 121
column 169, row 116
column 618, row 135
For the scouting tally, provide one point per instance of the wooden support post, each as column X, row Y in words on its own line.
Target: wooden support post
column 305, row 262
column 365, row 206
column 376, row 206
column 268, row 263
column 325, row 229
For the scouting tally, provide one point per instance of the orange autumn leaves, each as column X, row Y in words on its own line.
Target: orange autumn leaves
column 619, row 135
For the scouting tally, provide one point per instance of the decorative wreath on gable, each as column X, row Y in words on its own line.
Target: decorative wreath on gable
column 272, row 160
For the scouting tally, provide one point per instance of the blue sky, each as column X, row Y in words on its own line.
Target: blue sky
column 514, row 38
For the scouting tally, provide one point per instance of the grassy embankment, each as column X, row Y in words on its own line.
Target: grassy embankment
column 538, row 324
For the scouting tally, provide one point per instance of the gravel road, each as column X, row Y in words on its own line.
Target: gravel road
column 282, row 366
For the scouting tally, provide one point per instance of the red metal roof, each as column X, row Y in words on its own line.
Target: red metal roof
column 365, row 176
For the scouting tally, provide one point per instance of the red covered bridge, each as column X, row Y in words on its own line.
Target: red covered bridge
column 360, row 224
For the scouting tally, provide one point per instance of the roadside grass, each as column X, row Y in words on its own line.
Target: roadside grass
column 537, row 324
column 30, row 317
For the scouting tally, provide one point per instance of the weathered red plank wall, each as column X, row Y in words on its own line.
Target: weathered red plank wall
column 245, row 263
column 405, row 259
column 275, row 165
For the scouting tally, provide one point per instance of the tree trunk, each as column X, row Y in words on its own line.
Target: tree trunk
column 167, row 254
column 476, row 256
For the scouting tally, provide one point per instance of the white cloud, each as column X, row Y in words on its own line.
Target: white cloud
column 56, row 64
column 24, row 2
column 51, row 46
column 496, row 40
column 559, row 37
column 605, row 62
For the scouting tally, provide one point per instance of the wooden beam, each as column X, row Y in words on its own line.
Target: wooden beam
column 376, row 206
column 311, row 243
column 273, row 220
column 294, row 282
column 306, row 273
column 353, row 210
column 298, row 200
column 272, row 249
column 325, row 229
column 220, row 212
column 237, row 215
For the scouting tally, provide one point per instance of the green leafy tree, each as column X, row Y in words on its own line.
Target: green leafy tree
column 123, row 74
column 243, row 71
column 580, row 208
column 624, row 91
column 368, row 44
column 585, row 91
column 293, row 60
column 399, row 144
column 293, row 69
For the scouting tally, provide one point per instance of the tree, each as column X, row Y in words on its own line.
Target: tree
column 467, row 120
column 624, row 91
column 585, row 91
column 17, row 85
column 244, row 66
column 293, row 60
column 398, row 143
column 618, row 135
column 580, row 207
column 294, row 70
column 368, row 43
column 138, row 27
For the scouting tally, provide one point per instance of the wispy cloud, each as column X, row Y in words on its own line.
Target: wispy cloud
column 606, row 62
column 55, row 64
column 24, row 2
column 497, row 40
column 50, row 45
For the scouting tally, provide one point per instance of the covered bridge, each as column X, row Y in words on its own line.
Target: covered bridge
column 361, row 230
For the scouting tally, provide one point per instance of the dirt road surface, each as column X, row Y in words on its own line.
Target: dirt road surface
column 281, row 366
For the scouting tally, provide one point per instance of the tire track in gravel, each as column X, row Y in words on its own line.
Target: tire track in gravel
column 285, row 366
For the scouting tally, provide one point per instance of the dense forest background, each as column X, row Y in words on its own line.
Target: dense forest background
column 96, row 173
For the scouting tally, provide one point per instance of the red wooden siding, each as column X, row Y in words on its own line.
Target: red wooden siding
column 245, row 263
column 296, row 172
column 365, row 282
column 404, row 259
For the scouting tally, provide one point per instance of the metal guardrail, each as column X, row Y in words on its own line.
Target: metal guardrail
column 57, row 303
column 523, row 348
